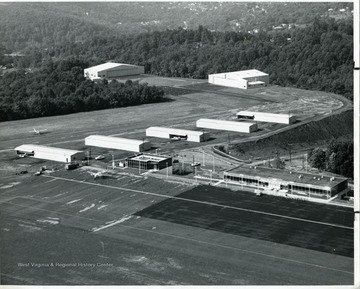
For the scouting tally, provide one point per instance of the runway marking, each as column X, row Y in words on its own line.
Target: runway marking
column 192, row 240
column 202, row 202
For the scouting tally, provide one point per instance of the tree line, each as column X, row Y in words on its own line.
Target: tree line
column 317, row 57
column 337, row 157
column 61, row 88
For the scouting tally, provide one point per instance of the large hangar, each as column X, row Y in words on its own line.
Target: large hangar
column 267, row 117
column 173, row 133
column 125, row 144
column 50, row 153
column 112, row 70
column 289, row 182
column 240, row 79
column 241, row 126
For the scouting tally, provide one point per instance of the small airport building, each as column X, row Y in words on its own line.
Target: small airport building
column 267, row 117
column 240, row 79
column 149, row 162
column 50, row 153
column 173, row 133
column 112, row 70
column 237, row 126
column 117, row 143
column 286, row 182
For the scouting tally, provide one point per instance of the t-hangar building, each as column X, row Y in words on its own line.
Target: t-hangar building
column 267, row 117
column 287, row 182
column 112, row 70
column 240, row 79
column 174, row 133
column 118, row 143
column 50, row 153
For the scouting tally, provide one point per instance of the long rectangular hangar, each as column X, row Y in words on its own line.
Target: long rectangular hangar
column 112, row 70
column 240, row 79
column 125, row 144
column 50, row 153
column 297, row 183
column 267, row 117
column 174, row 133
column 238, row 126
column 149, row 162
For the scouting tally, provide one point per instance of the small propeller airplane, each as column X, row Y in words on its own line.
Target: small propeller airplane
column 99, row 175
column 40, row 131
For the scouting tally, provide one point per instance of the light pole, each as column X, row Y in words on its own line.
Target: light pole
column 113, row 162
column 167, row 170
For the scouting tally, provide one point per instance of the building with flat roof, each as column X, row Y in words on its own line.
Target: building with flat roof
column 267, row 117
column 149, row 162
column 112, row 70
column 50, row 153
column 240, row 79
column 288, row 182
column 237, row 126
column 174, row 133
column 118, row 143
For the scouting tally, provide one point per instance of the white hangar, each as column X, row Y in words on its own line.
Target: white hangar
column 240, row 79
column 245, row 127
column 117, row 143
column 173, row 133
column 267, row 117
column 50, row 153
column 112, row 70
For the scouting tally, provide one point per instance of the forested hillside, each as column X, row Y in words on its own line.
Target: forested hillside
column 60, row 88
column 312, row 54
column 337, row 157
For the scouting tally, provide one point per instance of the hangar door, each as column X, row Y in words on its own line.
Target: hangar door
column 122, row 72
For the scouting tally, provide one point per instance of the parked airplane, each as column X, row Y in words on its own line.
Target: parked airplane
column 98, row 175
column 40, row 131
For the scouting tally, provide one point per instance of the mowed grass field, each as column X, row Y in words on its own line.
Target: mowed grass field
column 160, row 232
column 141, row 230
column 203, row 101
column 296, row 223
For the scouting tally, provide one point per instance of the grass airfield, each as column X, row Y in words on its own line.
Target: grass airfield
column 139, row 230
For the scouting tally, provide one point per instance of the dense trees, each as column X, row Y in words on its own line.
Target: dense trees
column 46, row 77
column 337, row 157
column 317, row 57
column 60, row 88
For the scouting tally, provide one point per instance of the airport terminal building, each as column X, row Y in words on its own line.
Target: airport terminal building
column 50, row 153
column 240, row 79
column 267, row 117
column 112, row 70
column 286, row 182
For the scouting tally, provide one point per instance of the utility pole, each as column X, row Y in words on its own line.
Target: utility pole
column 113, row 162
column 290, row 144
column 167, row 170
column 213, row 164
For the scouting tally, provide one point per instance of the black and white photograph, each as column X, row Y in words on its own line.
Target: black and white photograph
column 179, row 143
